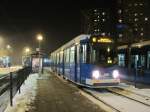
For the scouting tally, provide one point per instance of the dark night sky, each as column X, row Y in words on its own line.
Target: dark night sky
column 59, row 22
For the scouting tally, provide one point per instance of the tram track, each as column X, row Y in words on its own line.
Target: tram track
column 145, row 100
column 109, row 98
column 97, row 98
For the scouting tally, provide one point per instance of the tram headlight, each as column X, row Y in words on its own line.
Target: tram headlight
column 115, row 74
column 96, row 74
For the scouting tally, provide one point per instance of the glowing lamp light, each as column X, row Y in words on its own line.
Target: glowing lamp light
column 109, row 61
column 94, row 39
column 27, row 50
column 115, row 74
column 108, row 49
column 8, row 46
column 95, row 74
column 40, row 37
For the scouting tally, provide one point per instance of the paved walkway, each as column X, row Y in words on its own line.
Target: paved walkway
column 56, row 95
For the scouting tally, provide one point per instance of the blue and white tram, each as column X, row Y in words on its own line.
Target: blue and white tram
column 87, row 60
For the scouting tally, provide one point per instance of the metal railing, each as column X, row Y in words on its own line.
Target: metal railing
column 10, row 84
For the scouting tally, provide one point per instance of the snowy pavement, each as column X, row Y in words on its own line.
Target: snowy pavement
column 120, row 103
column 67, row 98
column 21, row 102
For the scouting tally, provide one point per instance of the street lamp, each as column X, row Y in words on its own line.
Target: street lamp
column 8, row 47
column 27, row 50
column 40, row 38
column 26, row 59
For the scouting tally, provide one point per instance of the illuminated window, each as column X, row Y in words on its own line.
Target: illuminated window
column 108, row 49
column 103, row 34
column 72, row 54
column 136, row 19
column 146, row 18
column 141, row 14
column 120, row 35
column 135, row 29
column 103, row 20
column 135, row 4
column 148, row 60
column 119, row 11
column 84, row 53
column 135, row 14
column 103, row 13
column 95, row 10
column 141, row 34
column 141, row 4
column 121, row 60
column 136, row 25
column 120, row 20
column 142, row 29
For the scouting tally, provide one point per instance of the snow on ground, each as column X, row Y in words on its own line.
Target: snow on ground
column 145, row 92
column 120, row 103
column 28, row 92
column 7, row 70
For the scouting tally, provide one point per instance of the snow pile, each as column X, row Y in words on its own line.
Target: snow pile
column 21, row 102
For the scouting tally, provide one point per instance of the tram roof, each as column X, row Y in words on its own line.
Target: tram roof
column 75, row 40
column 139, row 44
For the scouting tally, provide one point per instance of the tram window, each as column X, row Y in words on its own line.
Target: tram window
column 72, row 54
column 93, row 56
column 121, row 60
column 134, row 61
column 78, row 54
column 142, row 60
column 103, row 56
column 148, row 60
column 67, row 56
column 58, row 58
column 83, row 51
column 61, row 57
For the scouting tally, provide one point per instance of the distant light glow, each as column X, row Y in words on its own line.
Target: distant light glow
column 120, row 20
column 94, row 39
column 40, row 37
column 8, row 46
column 109, row 60
column 103, row 13
column 120, row 35
column 27, row 50
column 146, row 18
column 108, row 49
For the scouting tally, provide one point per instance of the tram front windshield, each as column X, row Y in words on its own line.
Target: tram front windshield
column 103, row 55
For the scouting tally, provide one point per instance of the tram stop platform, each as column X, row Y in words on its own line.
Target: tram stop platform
column 53, row 94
